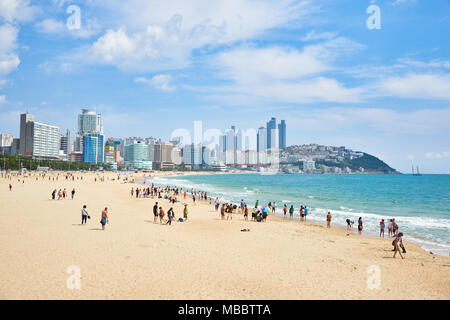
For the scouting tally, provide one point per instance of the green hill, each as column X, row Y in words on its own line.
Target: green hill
column 367, row 161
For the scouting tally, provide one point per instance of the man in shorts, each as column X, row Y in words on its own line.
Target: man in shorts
column 155, row 212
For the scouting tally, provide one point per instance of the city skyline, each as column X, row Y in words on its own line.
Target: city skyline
column 335, row 81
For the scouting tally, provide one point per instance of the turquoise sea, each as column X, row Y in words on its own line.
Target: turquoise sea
column 422, row 208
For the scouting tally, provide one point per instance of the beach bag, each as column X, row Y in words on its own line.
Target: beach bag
column 180, row 219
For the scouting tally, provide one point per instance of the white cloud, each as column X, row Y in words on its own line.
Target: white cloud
column 154, row 36
column 2, row 99
column 284, row 74
column 313, row 35
column 9, row 61
column 423, row 121
column 17, row 11
column 245, row 65
column 437, row 155
column 89, row 28
column 160, row 82
column 51, row 26
column 419, row 86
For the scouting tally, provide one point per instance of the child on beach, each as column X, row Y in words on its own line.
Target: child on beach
column 285, row 211
column 360, row 225
column 245, row 213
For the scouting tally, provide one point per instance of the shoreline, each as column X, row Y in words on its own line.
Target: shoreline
column 202, row 258
column 430, row 248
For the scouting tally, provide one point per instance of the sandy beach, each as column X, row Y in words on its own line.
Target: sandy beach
column 203, row 258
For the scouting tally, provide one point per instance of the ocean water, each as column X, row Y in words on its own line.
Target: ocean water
column 422, row 208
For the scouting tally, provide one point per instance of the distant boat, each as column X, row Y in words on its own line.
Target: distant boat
column 417, row 174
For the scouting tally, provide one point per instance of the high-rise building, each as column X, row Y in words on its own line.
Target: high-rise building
column 230, row 146
column 25, row 145
column 93, row 148
column 163, row 155
column 66, row 143
column 38, row 139
column 282, row 135
column 261, row 144
column 136, row 156
column 271, row 125
column 193, row 155
column 89, row 122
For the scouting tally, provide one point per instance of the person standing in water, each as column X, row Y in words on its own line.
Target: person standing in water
column 105, row 218
column 291, row 212
column 284, row 211
column 360, row 225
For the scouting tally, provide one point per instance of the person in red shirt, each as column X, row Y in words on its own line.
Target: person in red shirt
column 382, row 227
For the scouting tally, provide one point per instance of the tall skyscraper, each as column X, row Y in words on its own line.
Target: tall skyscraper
column 89, row 122
column 261, row 140
column 282, row 135
column 271, row 125
column 25, row 145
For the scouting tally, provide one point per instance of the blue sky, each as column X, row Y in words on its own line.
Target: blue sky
column 151, row 67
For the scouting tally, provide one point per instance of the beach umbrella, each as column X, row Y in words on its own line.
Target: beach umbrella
column 265, row 210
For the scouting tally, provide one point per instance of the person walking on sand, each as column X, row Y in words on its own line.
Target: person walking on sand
column 382, row 228
column 105, row 218
column 222, row 211
column 245, row 213
column 170, row 216
column 161, row 215
column 155, row 212
column 185, row 212
column 54, row 194
column 84, row 215
column 396, row 243
column 360, row 225
column 284, row 211
column 10, row 187
column 329, row 220
column 73, row 193
column 291, row 212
